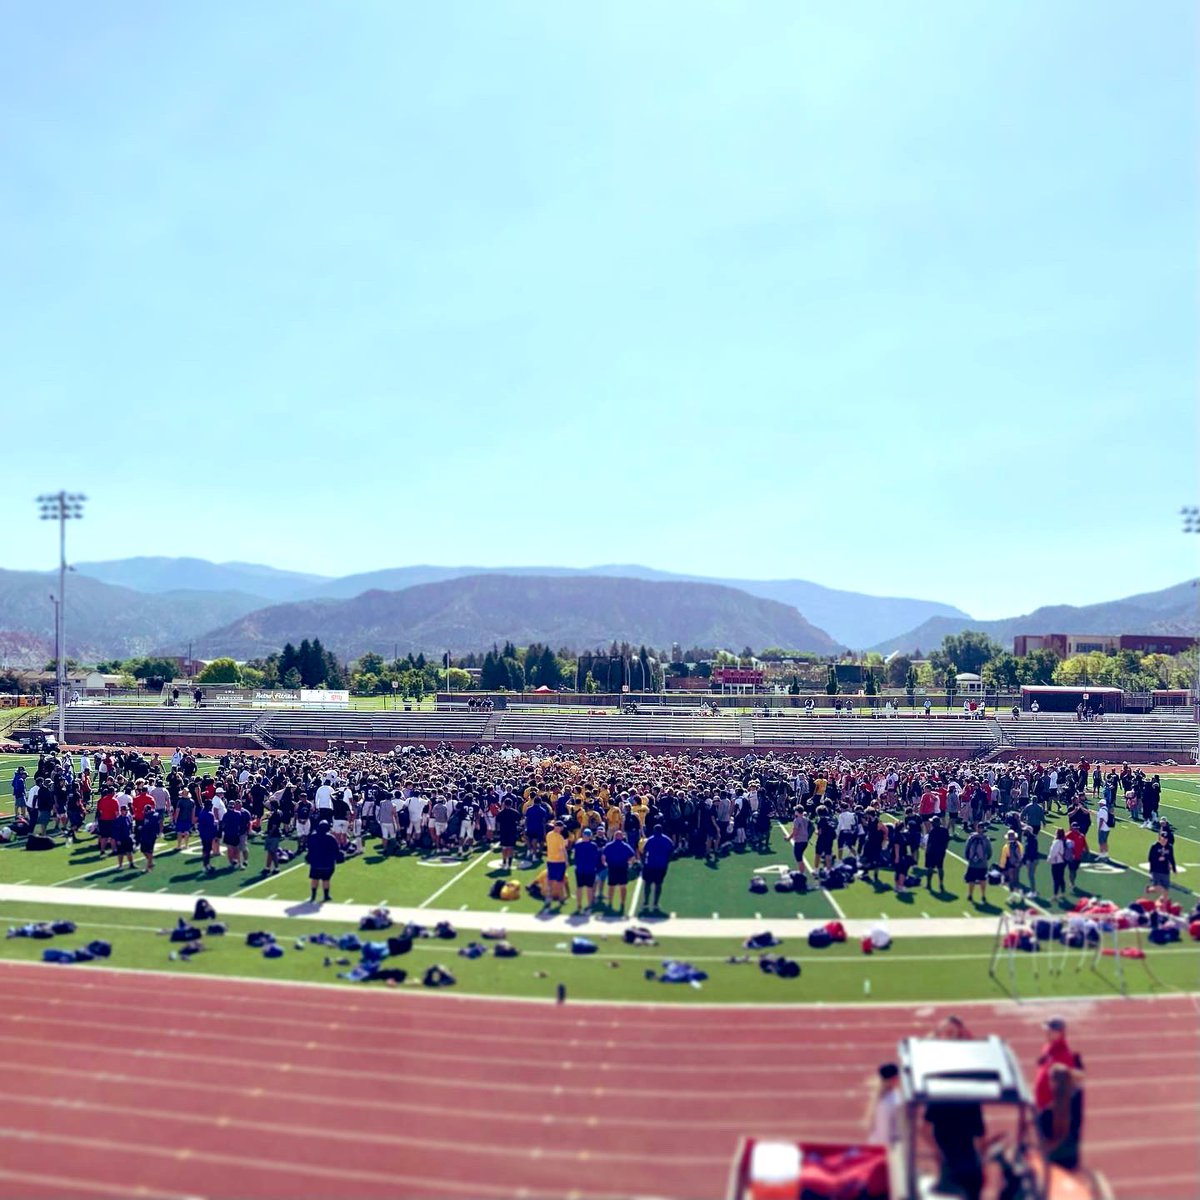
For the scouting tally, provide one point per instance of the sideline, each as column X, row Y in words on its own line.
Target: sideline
column 686, row 927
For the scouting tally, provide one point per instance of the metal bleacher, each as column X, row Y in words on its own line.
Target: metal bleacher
column 350, row 724
column 898, row 732
column 1161, row 734
column 119, row 721
column 550, row 729
column 1117, row 733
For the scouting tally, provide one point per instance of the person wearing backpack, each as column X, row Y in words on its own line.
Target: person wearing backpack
column 978, row 853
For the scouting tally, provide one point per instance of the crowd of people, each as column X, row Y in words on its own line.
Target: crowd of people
column 601, row 812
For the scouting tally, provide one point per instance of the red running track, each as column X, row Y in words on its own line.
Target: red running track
column 163, row 1087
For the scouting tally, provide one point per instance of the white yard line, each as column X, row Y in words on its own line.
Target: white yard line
column 447, row 886
column 811, row 868
column 634, row 897
column 296, row 863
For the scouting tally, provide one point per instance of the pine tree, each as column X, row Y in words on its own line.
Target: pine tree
column 287, row 661
column 549, row 673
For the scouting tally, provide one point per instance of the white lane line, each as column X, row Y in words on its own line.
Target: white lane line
column 447, row 886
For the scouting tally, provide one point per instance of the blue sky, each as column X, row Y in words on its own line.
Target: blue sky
column 895, row 298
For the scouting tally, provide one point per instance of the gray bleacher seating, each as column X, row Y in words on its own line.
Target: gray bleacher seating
column 898, row 732
column 1152, row 733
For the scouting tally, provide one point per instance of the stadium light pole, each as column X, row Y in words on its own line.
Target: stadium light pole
column 1191, row 524
column 62, row 507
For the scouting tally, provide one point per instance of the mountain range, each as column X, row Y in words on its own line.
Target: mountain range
column 161, row 605
column 850, row 618
column 478, row 610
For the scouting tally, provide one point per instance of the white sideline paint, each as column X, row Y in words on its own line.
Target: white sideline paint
column 561, row 923
column 453, row 880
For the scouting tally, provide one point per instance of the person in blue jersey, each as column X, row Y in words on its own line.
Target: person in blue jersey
column 587, row 863
column 206, row 830
column 656, row 858
column 148, row 833
column 618, row 854
column 322, row 858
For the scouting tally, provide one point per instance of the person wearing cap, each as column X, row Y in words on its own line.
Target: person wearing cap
column 556, row 864
column 618, row 854
column 884, row 1122
column 147, row 835
column 587, row 863
column 233, row 828
column 1161, row 862
column 1055, row 1050
column 322, row 856
column 123, row 837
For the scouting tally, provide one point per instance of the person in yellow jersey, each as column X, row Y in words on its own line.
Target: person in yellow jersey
column 614, row 819
column 641, row 810
column 556, row 864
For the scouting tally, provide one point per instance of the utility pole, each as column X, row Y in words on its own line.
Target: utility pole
column 62, row 507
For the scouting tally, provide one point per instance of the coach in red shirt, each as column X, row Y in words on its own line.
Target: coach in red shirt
column 1054, row 1051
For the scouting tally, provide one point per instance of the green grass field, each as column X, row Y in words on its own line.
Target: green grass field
column 915, row 969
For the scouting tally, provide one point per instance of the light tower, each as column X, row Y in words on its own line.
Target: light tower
column 62, row 507
column 1191, row 524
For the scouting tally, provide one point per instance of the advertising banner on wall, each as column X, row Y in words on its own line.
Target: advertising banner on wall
column 304, row 698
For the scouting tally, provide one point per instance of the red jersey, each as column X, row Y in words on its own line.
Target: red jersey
column 1052, row 1052
column 106, row 807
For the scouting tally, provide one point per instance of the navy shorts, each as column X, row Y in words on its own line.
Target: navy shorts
column 654, row 875
column 618, row 876
column 556, row 872
column 585, row 879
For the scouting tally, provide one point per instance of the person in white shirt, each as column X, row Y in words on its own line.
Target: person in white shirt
column 416, row 806
column 324, row 798
column 847, row 829
column 1103, row 827
column 884, row 1123
column 218, row 804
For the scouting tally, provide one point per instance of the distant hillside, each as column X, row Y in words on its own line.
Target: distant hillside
column 1172, row 610
column 473, row 612
column 110, row 622
column 852, row 618
column 197, row 574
